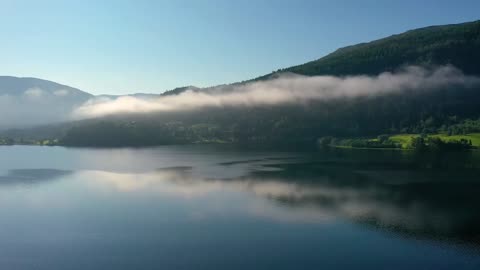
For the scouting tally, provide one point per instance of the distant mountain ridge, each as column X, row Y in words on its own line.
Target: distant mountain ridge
column 15, row 86
column 31, row 101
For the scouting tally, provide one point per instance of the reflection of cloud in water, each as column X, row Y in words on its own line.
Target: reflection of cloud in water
column 31, row 176
column 419, row 206
column 166, row 181
column 179, row 182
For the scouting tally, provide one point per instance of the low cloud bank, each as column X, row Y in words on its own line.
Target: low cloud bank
column 286, row 89
column 35, row 106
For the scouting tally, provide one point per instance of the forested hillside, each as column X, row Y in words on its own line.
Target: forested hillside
column 456, row 45
column 453, row 110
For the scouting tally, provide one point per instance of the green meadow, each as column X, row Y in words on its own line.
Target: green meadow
column 405, row 139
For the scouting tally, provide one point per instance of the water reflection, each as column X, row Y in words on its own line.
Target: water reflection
column 439, row 205
column 433, row 204
column 255, row 211
column 31, row 176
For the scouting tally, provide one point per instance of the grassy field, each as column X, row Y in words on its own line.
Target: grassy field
column 404, row 139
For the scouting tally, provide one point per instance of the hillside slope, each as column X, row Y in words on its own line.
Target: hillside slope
column 455, row 44
column 452, row 110
column 32, row 101
column 16, row 86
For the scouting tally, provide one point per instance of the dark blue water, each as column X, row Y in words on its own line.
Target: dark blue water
column 201, row 207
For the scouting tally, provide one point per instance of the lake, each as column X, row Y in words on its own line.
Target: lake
column 218, row 207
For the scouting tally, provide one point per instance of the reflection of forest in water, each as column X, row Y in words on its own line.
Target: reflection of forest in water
column 423, row 195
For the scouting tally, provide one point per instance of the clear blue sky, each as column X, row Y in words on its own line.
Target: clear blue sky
column 150, row 46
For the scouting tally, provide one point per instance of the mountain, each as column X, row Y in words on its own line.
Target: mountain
column 17, row 86
column 454, row 109
column 147, row 96
column 455, row 44
column 179, row 90
column 32, row 101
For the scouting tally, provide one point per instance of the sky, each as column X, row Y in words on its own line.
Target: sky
column 120, row 47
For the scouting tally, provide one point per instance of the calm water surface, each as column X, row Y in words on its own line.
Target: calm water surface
column 204, row 207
